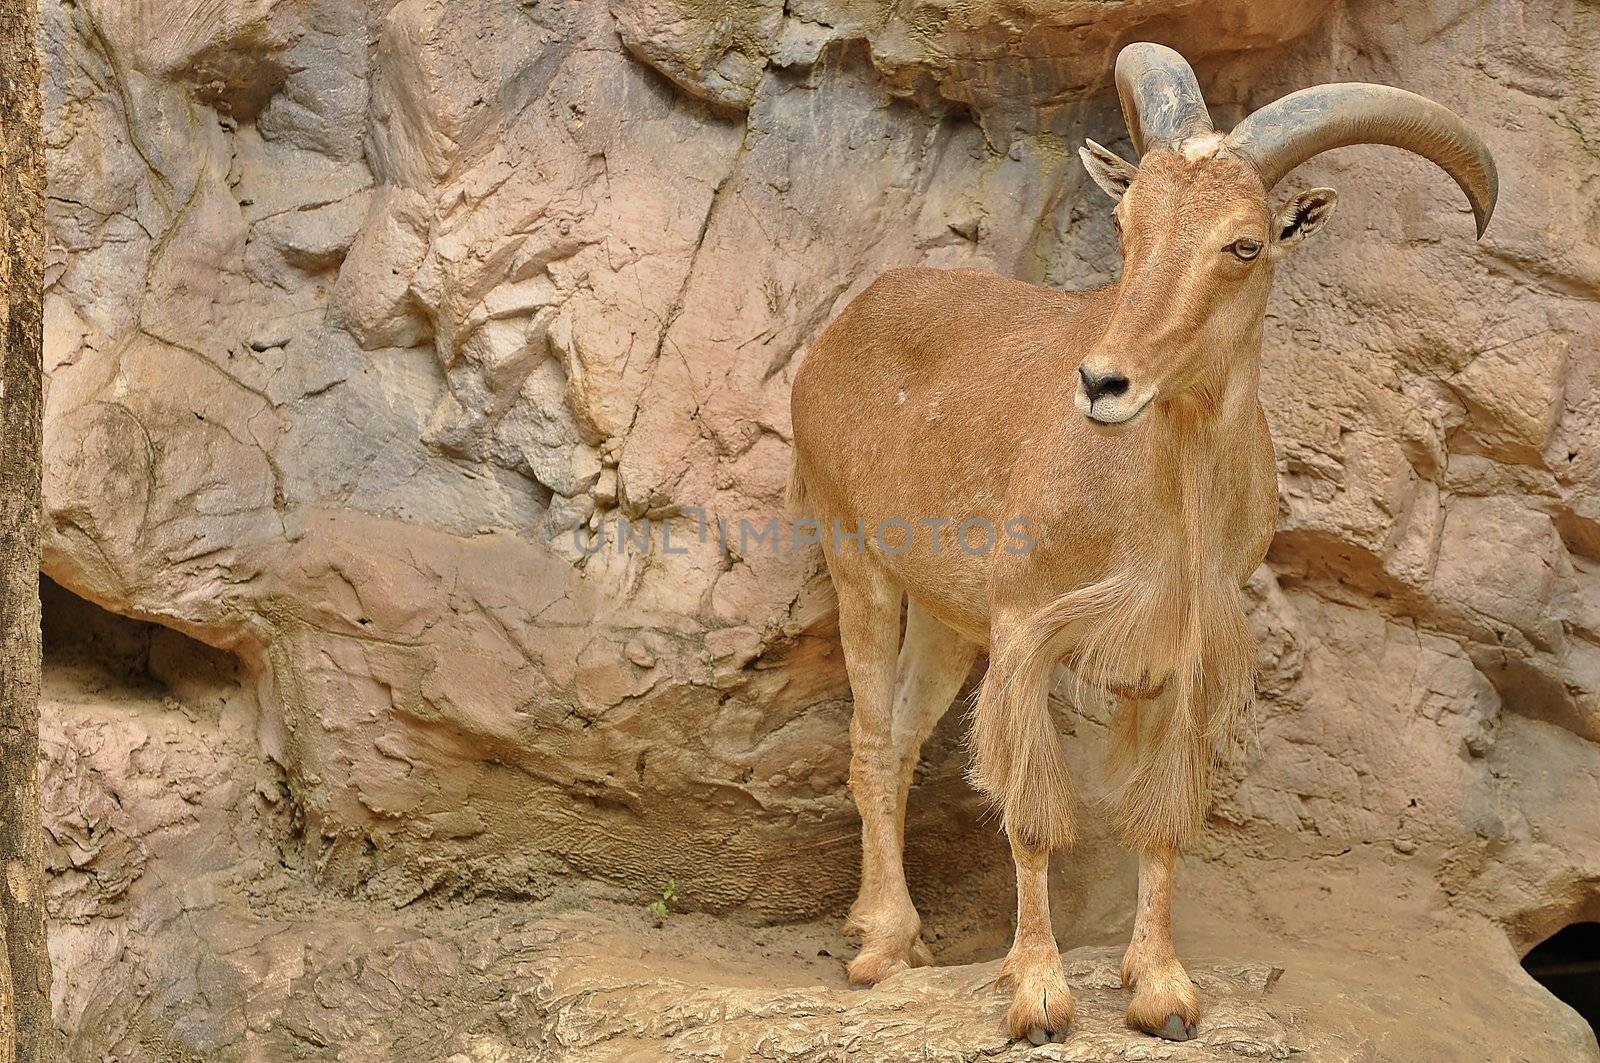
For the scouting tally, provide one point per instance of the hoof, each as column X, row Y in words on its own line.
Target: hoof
column 891, row 942
column 872, row 967
column 1174, row 1029
column 1041, row 1007
column 879, row 960
column 1164, row 1004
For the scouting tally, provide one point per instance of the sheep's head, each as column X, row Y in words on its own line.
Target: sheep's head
column 1199, row 235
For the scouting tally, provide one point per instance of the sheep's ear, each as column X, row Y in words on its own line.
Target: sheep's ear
column 1110, row 171
column 1303, row 216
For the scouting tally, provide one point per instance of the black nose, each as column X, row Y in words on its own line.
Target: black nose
column 1097, row 384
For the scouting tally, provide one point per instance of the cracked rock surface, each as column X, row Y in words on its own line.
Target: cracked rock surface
column 189, row 926
column 356, row 311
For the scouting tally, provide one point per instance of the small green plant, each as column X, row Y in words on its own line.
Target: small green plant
column 662, row 907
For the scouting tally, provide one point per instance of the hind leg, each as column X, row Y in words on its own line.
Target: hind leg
column 934, row 661
column 869, row 631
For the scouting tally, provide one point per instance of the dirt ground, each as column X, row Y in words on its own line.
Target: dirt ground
column 188, row 930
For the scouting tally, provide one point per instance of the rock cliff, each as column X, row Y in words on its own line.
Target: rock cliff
column 357, row 311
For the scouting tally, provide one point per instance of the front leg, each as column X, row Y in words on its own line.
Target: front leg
column 1164, row 1000
column 1041, row 1001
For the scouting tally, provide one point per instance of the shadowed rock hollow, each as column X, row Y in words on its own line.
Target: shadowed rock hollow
column 356, row 310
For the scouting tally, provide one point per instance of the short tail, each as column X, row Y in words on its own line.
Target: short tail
column 795, row 496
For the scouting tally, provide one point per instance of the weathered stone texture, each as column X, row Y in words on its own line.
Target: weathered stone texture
column 355, row 311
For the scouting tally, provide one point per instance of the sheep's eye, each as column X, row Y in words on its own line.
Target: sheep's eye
column 1244, row 250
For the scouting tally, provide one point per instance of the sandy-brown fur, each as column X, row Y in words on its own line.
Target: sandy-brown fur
column 951, row 394
column 1151, row 530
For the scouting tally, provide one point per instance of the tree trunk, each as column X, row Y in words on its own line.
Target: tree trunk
column 26, row 1031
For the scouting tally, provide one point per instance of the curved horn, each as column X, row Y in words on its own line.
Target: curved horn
column 1161, row 100
column 1286, row 133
